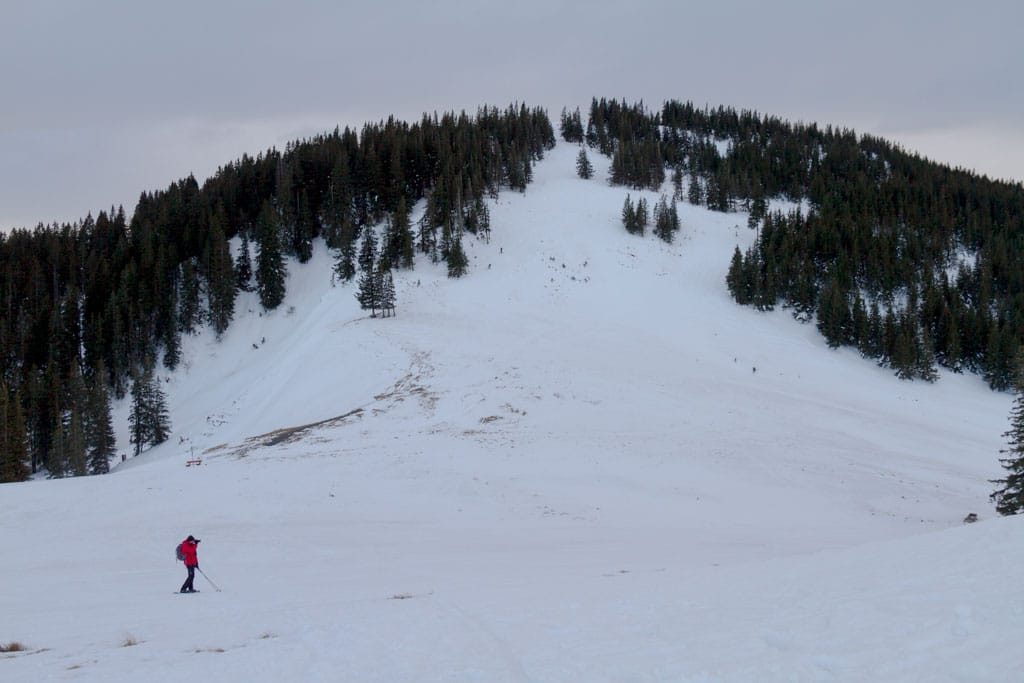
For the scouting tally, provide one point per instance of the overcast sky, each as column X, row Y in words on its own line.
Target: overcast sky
column 102, row 99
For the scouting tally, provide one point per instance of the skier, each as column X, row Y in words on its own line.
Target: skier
column 188, row 549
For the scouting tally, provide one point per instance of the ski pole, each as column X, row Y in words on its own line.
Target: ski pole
column 208, row 579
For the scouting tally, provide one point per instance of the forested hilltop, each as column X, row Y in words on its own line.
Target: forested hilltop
column 912, row 262
column 91, row 308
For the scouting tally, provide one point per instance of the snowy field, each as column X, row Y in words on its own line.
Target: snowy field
column 582, row 462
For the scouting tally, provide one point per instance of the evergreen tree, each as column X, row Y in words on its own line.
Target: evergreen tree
column 694, row 194
column 833, row 311
column 221, row 281
column 399, row 243
column 1009, row 497
column 172, row 347
column 161, row 422
column 677, row 184
column 666, row 219
column 734, row 279
column 189, row 311
column 99, row 429
column 14, row 456
column 758, row 210
column 344, row 262
column 480, row 224
column 387, row 295
column 368, row 294
column 629, row 215
column 75, row 444
column 337, row 209
column 305, row 228
column 73, row 428
column 137, row 427
column 270, row 265
column 368, row 251
column 148, row 421
column 584, row 169
column 58, row 465
column 243, row 265
column 642, row 216
column 457, row 260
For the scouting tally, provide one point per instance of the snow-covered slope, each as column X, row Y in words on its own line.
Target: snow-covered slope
column 582, row 462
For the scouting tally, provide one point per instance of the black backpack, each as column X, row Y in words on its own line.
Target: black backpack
column 178, row 554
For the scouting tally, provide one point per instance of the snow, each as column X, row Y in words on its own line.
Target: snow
column 582, row 462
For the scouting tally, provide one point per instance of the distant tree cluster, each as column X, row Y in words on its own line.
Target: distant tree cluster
column 107, row 299
column 666, row 219
column 571, row 126
column 376, row 290
column 915, row 264
column 635, row 216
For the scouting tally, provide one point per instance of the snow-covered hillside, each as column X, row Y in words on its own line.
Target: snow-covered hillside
column 582, row 462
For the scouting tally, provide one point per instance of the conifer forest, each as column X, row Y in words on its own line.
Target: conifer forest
column 915, row 264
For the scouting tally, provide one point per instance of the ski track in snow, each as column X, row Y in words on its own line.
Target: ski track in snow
column 581, row 462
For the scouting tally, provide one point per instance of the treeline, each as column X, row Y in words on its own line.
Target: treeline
column 915, row 264
column 95, row 306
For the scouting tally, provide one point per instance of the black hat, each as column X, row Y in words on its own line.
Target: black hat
column 190, row 538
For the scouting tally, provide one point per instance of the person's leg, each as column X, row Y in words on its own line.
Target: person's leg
column 187, row 586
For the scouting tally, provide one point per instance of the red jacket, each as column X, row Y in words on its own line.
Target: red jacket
column 188, row 549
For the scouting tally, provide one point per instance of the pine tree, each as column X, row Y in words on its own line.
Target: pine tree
column 189, row 310
column 629, row 221
column 734, row 278
column 833, row 310
column 677, row 184
column 642, row 216
column 387, row 295
column 694, row 194
column 758, row 210
column 221, row 280
column 57, row 464
column 137, row 427
column 243, row 265
column 666, row 219
column 483, row 219
column 368, row 251
column 344, row 262
column 161, row 423
column 75, row 444
column 99, row 429
column 368, row 293
column 584, row 169
column 172, row 347
column 305, row 228
column 457, row 260
column 399, row 243
column 148, row 421
column 1009, row 498
column 74, row 429
column 14, row 457
column 270, row 265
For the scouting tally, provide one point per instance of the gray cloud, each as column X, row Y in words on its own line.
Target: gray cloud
column 108, row 98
